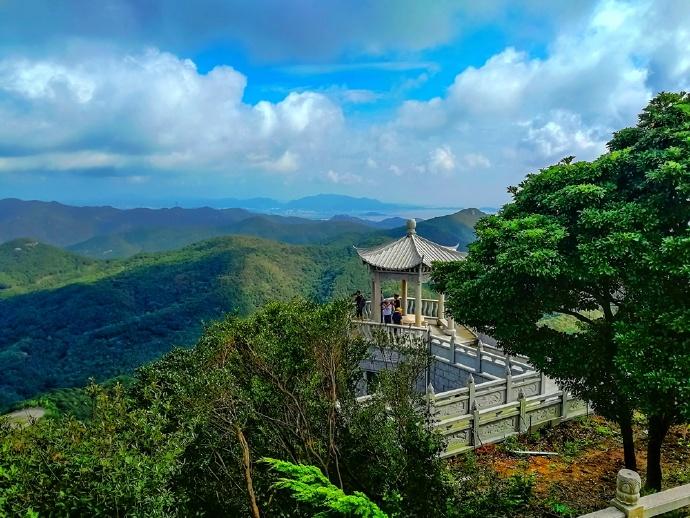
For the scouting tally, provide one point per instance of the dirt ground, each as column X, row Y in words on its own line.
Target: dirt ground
column 582, row 477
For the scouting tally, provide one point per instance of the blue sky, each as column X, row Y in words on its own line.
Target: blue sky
column 441, row 103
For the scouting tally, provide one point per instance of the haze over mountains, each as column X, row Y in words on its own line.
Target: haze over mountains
column 66, row 314
column 107, row 232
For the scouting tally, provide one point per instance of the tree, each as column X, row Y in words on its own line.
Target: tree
column 281, row 383
column 606, row 243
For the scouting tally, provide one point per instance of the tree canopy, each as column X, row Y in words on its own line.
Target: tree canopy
column 606, row 243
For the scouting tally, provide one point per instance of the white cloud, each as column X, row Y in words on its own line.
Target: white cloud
column 441, row 160
column 395, row 170
column 154, row 111
column 288, row 162
column 343, row 178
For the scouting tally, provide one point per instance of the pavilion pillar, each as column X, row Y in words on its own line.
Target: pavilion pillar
column 418, row 300
column 403, row 296
column 441, row 306
column 375, row 296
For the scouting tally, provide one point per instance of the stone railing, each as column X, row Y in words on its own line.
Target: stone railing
column 429, row 307
column 370, row 329
column 628, row 504
column 476, row 393
column 476, row 357
column 496, row 421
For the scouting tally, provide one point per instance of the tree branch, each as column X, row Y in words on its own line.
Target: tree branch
column 575, row 314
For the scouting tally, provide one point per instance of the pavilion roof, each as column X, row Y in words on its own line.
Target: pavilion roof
column 408, row 252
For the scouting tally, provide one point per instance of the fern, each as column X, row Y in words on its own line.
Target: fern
column 310, row 486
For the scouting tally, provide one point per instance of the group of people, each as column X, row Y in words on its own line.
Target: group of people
column 391, row 309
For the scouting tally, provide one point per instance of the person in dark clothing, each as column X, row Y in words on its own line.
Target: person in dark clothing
column 397, row 316
column 359, row 304
column 396, row 302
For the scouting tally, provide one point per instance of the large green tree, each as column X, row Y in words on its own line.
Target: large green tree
column 606, row 243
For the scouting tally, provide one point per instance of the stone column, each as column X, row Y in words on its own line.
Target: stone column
column 376, row 297
column 441, row 306
column 418, row 301
column 403, row 296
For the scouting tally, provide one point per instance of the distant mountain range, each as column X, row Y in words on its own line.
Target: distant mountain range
column 324, row 204
column 107, row 232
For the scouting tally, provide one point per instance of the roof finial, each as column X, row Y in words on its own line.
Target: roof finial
column 411, row 226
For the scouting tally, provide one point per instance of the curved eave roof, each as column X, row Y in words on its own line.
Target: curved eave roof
column 407, row 253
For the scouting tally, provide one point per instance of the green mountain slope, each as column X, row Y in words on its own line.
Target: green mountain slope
column 277, row 228
column 451, row 230
column 27, row 265
column 139, row 308
column 127, row 244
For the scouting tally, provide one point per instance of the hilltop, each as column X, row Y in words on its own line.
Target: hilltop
column 27, row 265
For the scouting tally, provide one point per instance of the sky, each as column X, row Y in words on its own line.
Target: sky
column 443, row 103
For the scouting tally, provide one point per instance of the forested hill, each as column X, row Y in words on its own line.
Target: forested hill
column 65, row 317
column 278, row 228
column 450, row 230
column 142, row 307
column 27, row 265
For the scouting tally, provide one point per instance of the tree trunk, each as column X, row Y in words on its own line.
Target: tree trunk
column 247, row 464
column 658, row 427
column 628, row 443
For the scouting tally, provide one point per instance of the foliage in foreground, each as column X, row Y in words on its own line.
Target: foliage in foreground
column 119, row 462
column 186, row 437
column 309, row 486
column 607, row 243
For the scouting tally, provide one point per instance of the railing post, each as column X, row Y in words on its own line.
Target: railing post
column 451, row 353
column 522, row 418
column 627, row 499
column 564, row 404
column 509, row 381
column 480, row 352
column 471, row 403
column 475, row 425
column 542, row 383
column 430, row 402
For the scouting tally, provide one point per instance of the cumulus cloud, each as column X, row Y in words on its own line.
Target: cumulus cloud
column 157, row 109
column 288, row 162
column 154, row 111
column 343, row 178
column 441, row 160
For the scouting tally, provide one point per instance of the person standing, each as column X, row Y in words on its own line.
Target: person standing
column 359, row 305
column 387, row 312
